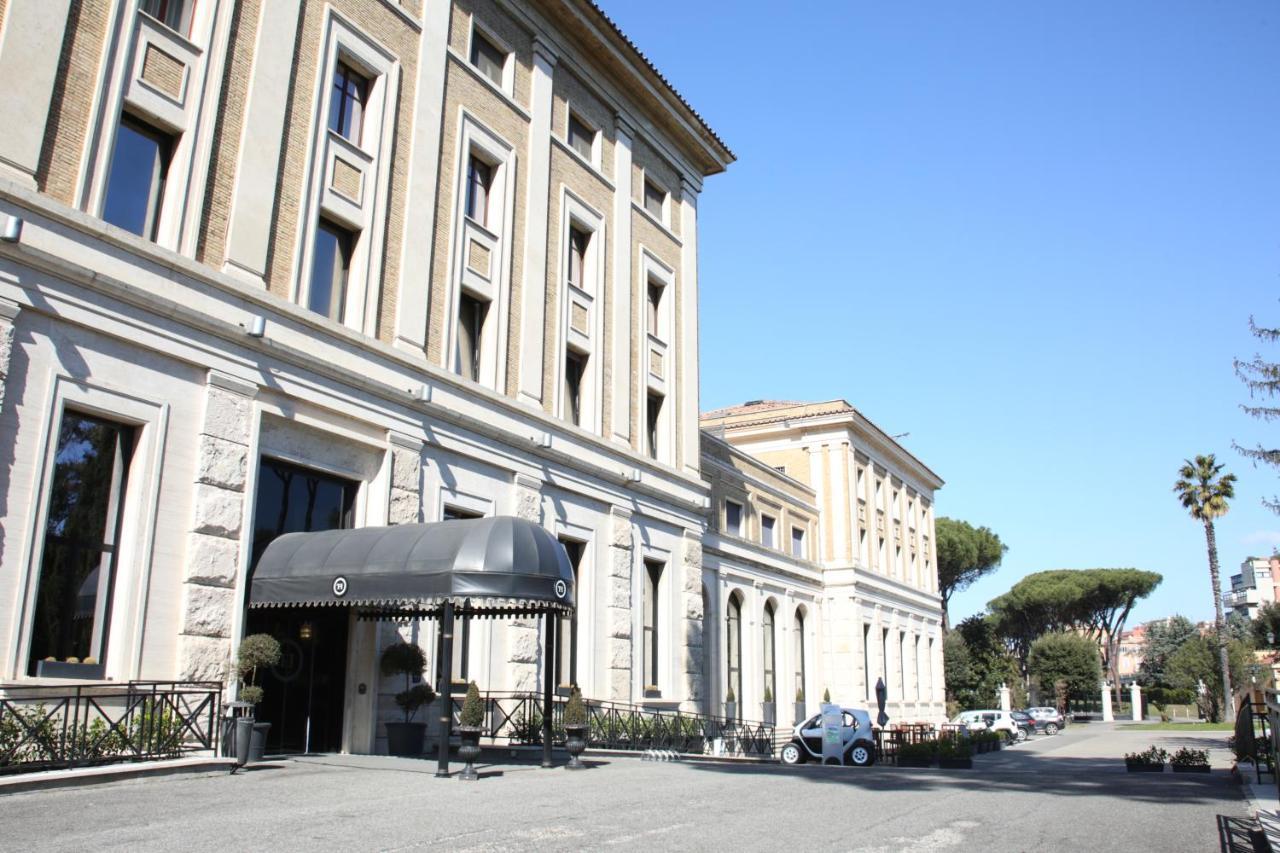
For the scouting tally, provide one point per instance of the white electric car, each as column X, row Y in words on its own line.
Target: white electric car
column 855, row 736
column 993, row 720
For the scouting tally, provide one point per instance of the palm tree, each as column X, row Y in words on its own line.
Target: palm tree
column 1204, row 491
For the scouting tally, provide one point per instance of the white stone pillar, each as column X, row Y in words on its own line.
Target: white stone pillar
column 687, row 344
column 618, row 648
column 533, row 286
column 524, row 639
column 691, row 635
column 405, row 503
column 8, row 314
column 210, row 597
column 622, row 392
column 1135, row 702
column 1006, row 703
column 1107, row 715
column 30, row 48
column 249, row 222
column 424, row 173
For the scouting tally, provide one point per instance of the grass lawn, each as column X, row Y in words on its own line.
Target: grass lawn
column 1179, row 727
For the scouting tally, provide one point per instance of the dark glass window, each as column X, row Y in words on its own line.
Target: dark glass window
column 654, row 199
column 652, row 413
column 330, row 270
column 347, row 102
column 487, row 57
column 766, row 530
column 866, row 661
column 136, row 177
column 578, row 241
column 567, row 641
column 733, row 518
column 797, row 542
column 733, row 619
column 581, row 137
column 798, row 644
column 770, row 661
column 293, row 499
column 884, row 657
column 471, row 315
column 479, row 180
column 652, row 584
column 81, row 537
column 655, row 303
column 575, row 367
column 174, row 14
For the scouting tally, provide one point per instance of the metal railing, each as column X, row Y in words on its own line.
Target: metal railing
column 45, row 727
column 516, row 718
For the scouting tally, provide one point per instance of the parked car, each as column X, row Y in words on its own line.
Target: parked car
column 1030, row 724
column 1052, row 721
column 999, row 721
column 855, row 734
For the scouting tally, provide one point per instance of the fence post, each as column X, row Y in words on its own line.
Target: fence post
column 1107, row 716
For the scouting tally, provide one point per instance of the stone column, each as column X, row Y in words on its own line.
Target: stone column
column 524, row 643
column 405, row 503
column 618, row 632
column 1006, row 704
column 210, row 594
column 690, row 623
column 1107, row 715
column 8, row 314
column 1135, row 701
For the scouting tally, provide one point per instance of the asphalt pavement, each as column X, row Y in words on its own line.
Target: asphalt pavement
column 1064, row 793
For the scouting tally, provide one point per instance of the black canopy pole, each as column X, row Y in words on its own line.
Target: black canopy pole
column 548, row 681
column 446, row 688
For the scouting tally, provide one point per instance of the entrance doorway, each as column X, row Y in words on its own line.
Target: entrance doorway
column 303, row 696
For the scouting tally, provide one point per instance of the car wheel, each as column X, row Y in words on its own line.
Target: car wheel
column 861, row 754
column 1022, row 734
column 792, row 754
column 1051, row 728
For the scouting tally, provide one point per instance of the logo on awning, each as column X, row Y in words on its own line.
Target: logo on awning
column 339, row 586
column 561, row 589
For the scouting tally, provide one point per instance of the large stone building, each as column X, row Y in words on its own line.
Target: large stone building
column 303, row 265
column 1253, row 587
column 823, row 525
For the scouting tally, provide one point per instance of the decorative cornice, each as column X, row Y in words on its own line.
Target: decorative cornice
column 218, row 379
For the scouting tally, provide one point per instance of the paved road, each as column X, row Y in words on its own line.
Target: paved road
column 1067, row 793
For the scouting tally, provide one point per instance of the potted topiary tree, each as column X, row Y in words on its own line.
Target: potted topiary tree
column 769, row 708
column 469, row 724
column 575, row 729
column 407, row 659
column 257, row 651
column 730, row 705
column 826, row 695
column 799, row 709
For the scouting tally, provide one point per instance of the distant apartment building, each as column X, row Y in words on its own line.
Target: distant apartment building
column 1130, row 651
column 1253, row 587
column 821, row 533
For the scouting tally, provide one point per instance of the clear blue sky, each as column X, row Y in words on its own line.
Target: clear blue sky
column 1029, row 234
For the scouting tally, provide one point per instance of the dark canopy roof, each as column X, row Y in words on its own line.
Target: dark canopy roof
column 484, row 564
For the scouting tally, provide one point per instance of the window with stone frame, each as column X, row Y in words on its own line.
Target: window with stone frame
column 581, row 138
column 472, row 313
column 651, row 641
column 767, row 524
column 733, row 518
column 347, row 102
column 487, row 58
column 174, row 14
column 655, row 201
column 479, row 184
column 567, row 641
column 136, row 177
column 330, row 270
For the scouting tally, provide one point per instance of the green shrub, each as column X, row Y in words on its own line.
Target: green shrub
column 768, row 695
column 575, row 712
column 923, row 749
column 799, row 694
column 414, row 698
column 728, row 695
column 257, row 651
column 472, row 708
column 954, row 747
column 826, row 695
column 1187, row 757
column 1151, row 755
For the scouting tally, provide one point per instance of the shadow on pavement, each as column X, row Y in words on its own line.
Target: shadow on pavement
column 1241, row 835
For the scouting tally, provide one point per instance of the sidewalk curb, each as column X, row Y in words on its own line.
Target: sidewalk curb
column 83, row 777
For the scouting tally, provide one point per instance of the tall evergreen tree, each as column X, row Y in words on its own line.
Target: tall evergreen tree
column 1204, row 492
column 1262, row 378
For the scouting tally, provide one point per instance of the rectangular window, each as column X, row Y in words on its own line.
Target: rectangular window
column 578, row 241
column 347, row 102
column 654, row 200
column 766, row 530
column 652, row 413
column 655, row 304
column 733, row 518
column 797, row 542
column 174, row 14
column 82, row 535
column 471, row 316
column 479, row 181
column 581, row 138
column 136, row 177
column 884, row 657
column 652, row 583
column 902, row 665
column 917, row 667
column 866, row 662
column 575, row 366
column 488, row 58
column 567, row 642
column 330, row 270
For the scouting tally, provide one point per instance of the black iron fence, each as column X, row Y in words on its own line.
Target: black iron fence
column 75, row 725
column 516, row 718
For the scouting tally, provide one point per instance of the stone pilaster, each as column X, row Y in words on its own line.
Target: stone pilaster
column 524, row 638
column 618, row 605
column 405, row 502
column 8, row 314
column 691, row 619
column 214, row 543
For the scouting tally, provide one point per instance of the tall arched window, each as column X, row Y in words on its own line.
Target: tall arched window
column 733, row 619
column 798, row 645
column 770, row 667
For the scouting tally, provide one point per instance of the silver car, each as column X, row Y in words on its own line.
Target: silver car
column 1051, row 721
column 856, row 739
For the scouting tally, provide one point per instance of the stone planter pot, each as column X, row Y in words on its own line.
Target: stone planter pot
column 1190, row 768
column 243, row 739
column 1140, row 767
column 731, row 711
column 770, row 712
column 469, row 752
column 575, row 742
column 258, row 742
column 800, row 712
column 955, row 763
column 405, row 738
